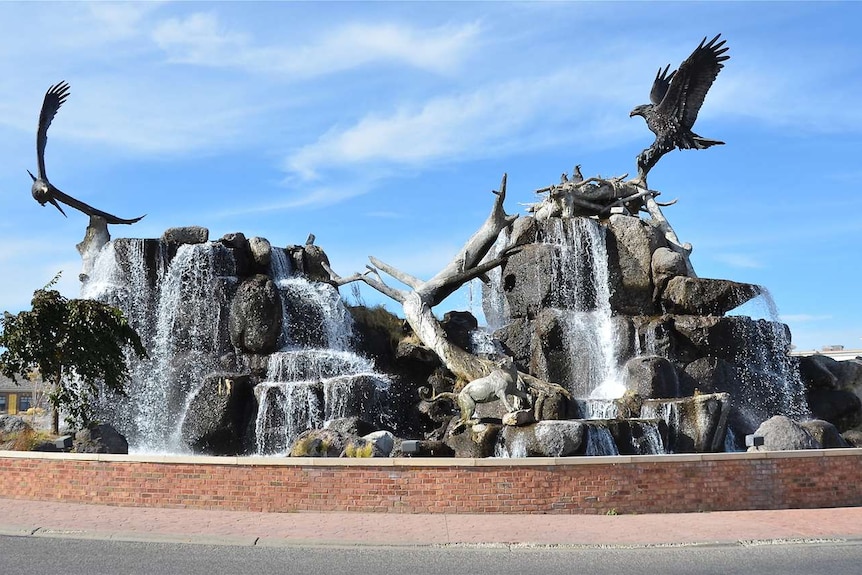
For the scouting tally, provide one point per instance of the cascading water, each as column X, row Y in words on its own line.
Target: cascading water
column 599, row 440
column 314, row 377
column 582, row 299
column 770, row 376
column 179, row 317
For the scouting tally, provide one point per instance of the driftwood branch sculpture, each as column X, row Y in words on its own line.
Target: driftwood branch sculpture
column 418, row 301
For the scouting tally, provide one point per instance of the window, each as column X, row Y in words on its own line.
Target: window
column 3, row 403
column 25, row 402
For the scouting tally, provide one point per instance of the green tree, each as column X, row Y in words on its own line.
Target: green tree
column 75, row 344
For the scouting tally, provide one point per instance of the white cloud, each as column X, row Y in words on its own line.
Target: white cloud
column 489, row 121
column 201, row 39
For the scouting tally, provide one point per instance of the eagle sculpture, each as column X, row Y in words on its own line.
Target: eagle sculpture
column 43, row 190
column 676, row 99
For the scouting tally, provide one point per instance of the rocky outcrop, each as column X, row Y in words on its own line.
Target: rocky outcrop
column 543, row 439
column 651, row 376
column 186, row 235
column 255, row 316
column 780, row 433
column 699, row 296
column 220, row 414
column 696, row 424
column 101, row 438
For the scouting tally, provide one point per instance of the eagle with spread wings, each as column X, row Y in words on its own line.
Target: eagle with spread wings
column 676, row 99
column 43, row 190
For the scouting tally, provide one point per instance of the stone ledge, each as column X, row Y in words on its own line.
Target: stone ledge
column 432, row 461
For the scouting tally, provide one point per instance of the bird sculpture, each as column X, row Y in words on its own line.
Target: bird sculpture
column 43, row 190
column 676, row 99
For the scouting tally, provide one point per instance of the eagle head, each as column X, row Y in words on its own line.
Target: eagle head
column 639, row 111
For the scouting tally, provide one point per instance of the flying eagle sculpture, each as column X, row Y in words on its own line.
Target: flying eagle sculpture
column 676, row 99
column 43, row 190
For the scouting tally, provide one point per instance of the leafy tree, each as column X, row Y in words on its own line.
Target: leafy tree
column 75, row 344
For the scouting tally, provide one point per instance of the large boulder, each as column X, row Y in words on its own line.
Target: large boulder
column 631, row 243
column 219, row 415
column 824, row 433
column 544, row 439
column 700, row 296
column 651, row 376
column 319, row 443
column 522, row 276
column 261, row 252
column 476, row 441
column 186, row 235
column 458, row 325
column 696, row 424
column 840, row 407
column 255, row 315
column 780, row 433
column 666, row 264
column 102, row 438
column 13, row 424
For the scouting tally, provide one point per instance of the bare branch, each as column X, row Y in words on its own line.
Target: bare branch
column 375, row 283
column 401, row 276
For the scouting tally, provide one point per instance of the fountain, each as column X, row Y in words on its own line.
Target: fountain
column 251, row 347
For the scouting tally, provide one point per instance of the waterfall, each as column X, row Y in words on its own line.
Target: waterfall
column 494, row 304
column 582, row 299
column 597, row 408
column 315, row 377
column 178, row 313
column 771, row 381
column 599, row 441
column 649, row 442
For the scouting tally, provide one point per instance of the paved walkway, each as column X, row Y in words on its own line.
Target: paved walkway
column 54, row 519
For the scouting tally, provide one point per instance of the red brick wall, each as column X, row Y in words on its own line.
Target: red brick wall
column 651, row 484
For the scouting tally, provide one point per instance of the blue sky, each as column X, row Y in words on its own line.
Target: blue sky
column 382, row 127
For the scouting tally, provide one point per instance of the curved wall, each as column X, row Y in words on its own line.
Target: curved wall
column 598, row 485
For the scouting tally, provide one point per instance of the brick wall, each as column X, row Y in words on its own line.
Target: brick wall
column 637, row 484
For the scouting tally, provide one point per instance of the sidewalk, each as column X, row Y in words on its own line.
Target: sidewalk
column 53, row 519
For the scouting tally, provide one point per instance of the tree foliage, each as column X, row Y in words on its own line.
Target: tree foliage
column 77, row 345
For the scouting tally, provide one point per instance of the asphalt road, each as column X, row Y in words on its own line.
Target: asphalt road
column 68, row 556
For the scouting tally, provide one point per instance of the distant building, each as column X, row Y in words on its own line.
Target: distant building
column 17, row 398
column 834, row 351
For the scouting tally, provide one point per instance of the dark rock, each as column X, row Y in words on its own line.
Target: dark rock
column 458, row 325
column 651, row 376
column 255, row 315
column 849, row 374
column 525, row 292
column 543, row 439
column 101, row 438
column 475, row 441
column 219, row 414
column 377, row 444
column 853, row 437
column 314, row 258
column 426, row 448
column 824, row 433
column 13, row 424
column 841, row 408
column 235, row 240
column 780, row 433
column 350, row 426
column 319, row 443
column 696, row 424
column 666, row 264
column 639, row 436
column 186, row 235
column 261, row 253
column 524, row 231
column 700, row 296
column 631, row 243
column 515, row 339
column 816, row 372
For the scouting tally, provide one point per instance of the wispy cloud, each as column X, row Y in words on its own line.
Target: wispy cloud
column 201, row 39
column 489, row 121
